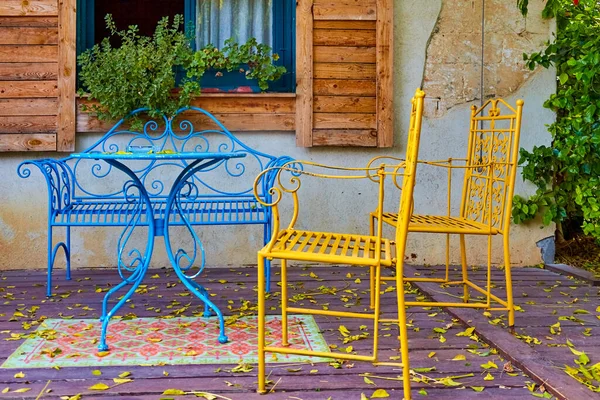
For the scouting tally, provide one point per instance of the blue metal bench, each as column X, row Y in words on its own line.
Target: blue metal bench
column 78, row 194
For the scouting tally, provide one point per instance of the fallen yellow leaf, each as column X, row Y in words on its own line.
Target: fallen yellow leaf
column 99, row 386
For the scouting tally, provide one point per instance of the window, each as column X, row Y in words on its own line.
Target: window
column 270, row 21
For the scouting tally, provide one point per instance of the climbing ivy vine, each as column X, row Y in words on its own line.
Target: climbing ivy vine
column 567, row 173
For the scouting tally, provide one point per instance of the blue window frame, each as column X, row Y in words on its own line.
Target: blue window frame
column 284, row 43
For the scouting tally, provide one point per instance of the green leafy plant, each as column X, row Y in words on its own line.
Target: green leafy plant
column 142, row 71
column 567, row 173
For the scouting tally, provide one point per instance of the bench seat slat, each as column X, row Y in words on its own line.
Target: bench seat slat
column 111, row 212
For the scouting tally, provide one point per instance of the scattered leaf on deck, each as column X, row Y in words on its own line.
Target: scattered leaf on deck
column 380, row 394
column 99, row 386
column 175, row 392
column 489, row 365
column 368, row 381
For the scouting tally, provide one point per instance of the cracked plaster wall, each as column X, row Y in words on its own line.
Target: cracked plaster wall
column 419, row 28
column 452, row 74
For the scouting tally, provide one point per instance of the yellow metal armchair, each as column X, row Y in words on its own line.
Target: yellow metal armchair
column 291, row 243
column 489, row 178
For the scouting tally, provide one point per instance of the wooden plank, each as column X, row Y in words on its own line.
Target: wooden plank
column 28, row 89
column 259, row 104
column 87, row 123
column 28, row 35
column 28, row 107
column 28, row 71
column 29, row 21
column 346, row 2
column 304, row 73
column 345, row 12
column 345, row 104
column 28, row 7
column 385, row 82
column 342, row 37
column 345, row 137
column 25, row 53
column 27, row 142
column 344, row 54
column 28, row 124
column 344, row 71
column 579, row 273
column 232, row 104
column 346, row 25
column 67, row 75
column 343, row 87
column 345, row 121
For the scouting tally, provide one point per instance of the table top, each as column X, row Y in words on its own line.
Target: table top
column 123, row 155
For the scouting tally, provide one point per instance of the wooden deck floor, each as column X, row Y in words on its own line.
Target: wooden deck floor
column 559, row 313
column 23, row 289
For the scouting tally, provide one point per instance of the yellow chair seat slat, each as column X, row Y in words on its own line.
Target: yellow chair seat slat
column 442, row 224
column 325, row 242
column 335, row 244
column 356, row 250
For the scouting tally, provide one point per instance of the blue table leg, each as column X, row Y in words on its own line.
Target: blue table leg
column 131, row 273
column 185, row 181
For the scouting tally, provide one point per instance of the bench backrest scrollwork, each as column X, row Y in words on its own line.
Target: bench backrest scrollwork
column 181, row 133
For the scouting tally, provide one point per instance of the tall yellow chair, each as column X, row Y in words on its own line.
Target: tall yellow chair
column 338, row 248
column 489, row 178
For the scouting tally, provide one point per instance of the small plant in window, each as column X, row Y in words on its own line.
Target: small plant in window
column 234, row 56
column 142, row 71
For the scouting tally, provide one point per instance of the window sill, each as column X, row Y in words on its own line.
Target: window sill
column 239, row 112
column 227, row 94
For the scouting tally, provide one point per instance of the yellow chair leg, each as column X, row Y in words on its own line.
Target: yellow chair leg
column 509, row 289
column 403, row 333
column 489, row 273
column 261, row 326
column 447, row 277
column 284, row 304
column 376, row 311
column 465, row 272
column 372, row 269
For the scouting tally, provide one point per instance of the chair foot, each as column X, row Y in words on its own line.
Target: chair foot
column 261, row 391
column 103, row 347
column 223, row 339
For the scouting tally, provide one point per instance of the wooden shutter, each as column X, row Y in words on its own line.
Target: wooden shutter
column 344, row 52
column 37, row 75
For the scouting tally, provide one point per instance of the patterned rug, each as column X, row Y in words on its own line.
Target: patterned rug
column 154, row 341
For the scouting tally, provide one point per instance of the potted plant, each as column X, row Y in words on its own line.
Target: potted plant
column 142, row 72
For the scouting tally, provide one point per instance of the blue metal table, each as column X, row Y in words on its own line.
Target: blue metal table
column 133, row 272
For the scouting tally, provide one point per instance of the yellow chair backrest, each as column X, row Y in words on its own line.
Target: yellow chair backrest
column 494, row 144
column 408, row 170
